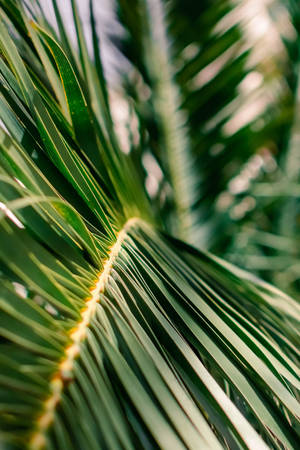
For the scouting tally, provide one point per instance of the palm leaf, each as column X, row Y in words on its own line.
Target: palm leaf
column 113, row 333
column 208, row 57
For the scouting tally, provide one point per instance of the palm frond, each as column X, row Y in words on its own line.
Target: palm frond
column 114, row 334
column 210, row 58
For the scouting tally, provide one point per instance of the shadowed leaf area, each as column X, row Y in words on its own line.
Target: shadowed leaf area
column 119, row 329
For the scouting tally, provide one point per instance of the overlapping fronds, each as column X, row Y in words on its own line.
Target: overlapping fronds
column 114, row 334
column 231, row 86
column 270, row 232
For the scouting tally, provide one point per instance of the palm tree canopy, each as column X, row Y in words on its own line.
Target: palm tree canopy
column 115, row 331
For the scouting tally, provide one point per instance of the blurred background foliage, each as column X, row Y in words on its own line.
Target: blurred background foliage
column 219, row 92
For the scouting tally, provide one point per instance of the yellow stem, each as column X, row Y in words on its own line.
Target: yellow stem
column 77, row 335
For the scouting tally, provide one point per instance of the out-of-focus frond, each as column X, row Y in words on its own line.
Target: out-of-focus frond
column 227, row 88
column 231, row 67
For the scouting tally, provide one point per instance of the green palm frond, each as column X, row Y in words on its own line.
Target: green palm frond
column 113, row 333
column 202, row 57
column 236, row 100
column 271, row 232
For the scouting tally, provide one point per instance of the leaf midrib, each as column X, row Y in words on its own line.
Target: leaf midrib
column 77, row 335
